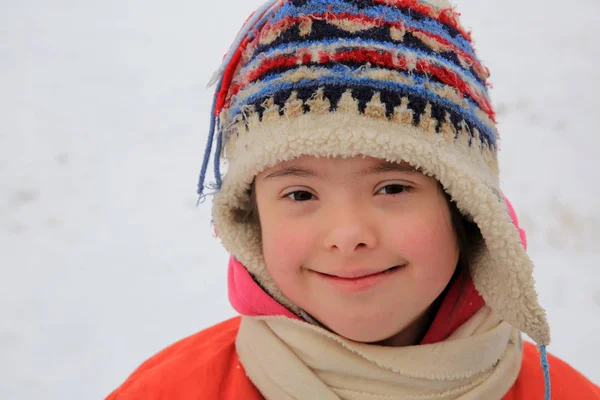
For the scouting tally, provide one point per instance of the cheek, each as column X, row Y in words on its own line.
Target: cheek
column 429, row 243
column 286, row 246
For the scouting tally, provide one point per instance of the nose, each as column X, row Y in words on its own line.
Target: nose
column 349, row 230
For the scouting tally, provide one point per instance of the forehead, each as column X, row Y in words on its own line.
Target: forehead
column 309, row 166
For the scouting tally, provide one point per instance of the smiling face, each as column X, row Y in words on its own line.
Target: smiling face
column 362, row 245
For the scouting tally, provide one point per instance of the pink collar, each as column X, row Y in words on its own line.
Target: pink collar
column 247, row 297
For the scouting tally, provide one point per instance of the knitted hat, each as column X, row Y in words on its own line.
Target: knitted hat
column 391, row 79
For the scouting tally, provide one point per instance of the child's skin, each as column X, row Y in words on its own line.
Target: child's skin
column 350, row 218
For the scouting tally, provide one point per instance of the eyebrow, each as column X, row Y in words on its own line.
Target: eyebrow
column 381, row 167
column 293, row 171
column 388, row 166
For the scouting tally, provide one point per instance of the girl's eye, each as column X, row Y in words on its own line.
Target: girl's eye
column 300, row 195
column 393, row 189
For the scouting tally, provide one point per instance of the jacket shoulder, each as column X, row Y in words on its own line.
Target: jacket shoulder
column 567, row 383
column 204, row 365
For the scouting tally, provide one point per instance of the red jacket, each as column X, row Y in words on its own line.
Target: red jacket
column 206, row 366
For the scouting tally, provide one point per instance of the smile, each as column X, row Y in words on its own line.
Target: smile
column 359, row 281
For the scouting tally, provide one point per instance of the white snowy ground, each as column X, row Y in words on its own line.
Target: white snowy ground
column 104, row 257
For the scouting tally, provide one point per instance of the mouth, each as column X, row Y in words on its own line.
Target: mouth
column 352, row 276
column 353, row 282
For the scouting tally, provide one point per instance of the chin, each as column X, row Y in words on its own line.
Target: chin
column 367, row 337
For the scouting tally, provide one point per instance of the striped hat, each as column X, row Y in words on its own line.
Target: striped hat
column 391, row 79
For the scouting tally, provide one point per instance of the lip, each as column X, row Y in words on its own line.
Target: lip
column 359, row 281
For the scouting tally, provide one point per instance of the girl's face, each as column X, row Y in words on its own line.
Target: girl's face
column 362, row 245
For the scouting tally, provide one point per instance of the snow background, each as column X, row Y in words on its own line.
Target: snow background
column 105, row 259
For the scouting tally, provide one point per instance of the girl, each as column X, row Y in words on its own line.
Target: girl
column 373, row 253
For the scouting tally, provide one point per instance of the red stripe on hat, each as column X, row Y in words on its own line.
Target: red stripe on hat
column 268, row 65
column 451, row 79
column 446, row 16
column 363, row 56
column 228, row 76
column 479, row 68
column 287, row 22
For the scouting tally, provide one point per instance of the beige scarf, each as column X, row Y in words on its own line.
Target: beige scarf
column 290, row 359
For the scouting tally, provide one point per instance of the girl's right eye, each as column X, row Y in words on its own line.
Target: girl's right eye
column 300, row 195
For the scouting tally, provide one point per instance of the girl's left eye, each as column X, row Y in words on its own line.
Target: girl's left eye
column 300, row 196
column 393, row 189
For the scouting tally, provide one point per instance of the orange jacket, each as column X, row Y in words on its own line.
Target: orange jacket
column 206, row 366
